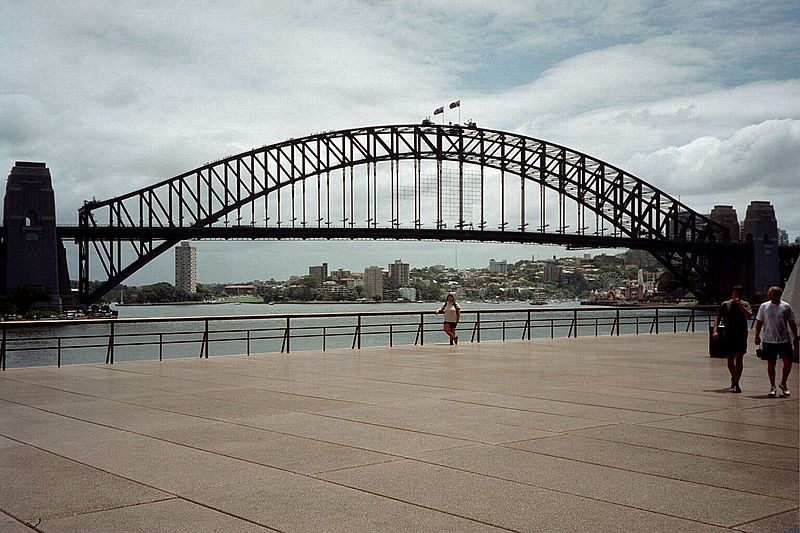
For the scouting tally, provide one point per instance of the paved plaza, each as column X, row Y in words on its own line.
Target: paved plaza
column 630, row 433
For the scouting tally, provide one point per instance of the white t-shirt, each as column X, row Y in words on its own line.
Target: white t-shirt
column 775, row 317
column 450, row 314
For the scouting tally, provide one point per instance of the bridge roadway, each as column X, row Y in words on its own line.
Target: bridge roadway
column 590, row 434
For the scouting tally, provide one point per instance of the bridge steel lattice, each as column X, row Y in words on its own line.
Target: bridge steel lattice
column 386, row 182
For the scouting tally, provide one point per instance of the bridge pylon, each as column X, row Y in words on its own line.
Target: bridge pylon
column 33, row 257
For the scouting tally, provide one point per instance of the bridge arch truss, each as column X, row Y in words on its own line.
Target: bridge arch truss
column 439, row 182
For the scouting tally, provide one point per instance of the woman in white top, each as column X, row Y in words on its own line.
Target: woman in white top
column 452, row 315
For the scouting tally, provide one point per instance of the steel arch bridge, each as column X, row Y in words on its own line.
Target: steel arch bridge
column 421, row 182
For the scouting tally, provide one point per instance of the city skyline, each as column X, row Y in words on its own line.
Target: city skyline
column 695, row 99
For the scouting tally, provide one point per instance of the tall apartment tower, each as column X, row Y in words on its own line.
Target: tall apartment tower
column 373, row 281
column 186, row 267
column 319, row 273
column 398, row 273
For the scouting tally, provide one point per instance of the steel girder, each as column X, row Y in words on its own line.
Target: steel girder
column 309, row 183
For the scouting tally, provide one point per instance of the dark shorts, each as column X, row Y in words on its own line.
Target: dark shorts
column 734, row 344
column 451, row 324
column 771, row 351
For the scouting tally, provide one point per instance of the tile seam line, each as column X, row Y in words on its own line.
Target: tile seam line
column 659, row 476
column 287, row 471
column 574, row 433
column 115, row 507
column 645, row 424
column 214, row 383
column 767, row 517
column 560, row 491
column 22, row 522
column 120, row 476
column 70, row 417
column 775, row 428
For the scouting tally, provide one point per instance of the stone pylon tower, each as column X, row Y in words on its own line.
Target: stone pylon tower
column 34, row 257
column 760, row 228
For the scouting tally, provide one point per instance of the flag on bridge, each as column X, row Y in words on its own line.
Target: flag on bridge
column 439, row 110
column 455, row 104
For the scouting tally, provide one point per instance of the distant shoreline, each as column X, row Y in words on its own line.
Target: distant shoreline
column 312, row 302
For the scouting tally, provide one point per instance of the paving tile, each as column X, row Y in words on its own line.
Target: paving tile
column 441, row 418
column 372, row 437
column 563, row 408
column 778, row 415
column 515, row 506
column 697, row 469
column 292, row 503
column 169, row 515
column 37, row 484
column 735, row 451
column 784, row 522
column 287, row 452
column 709, row 505
column 731, row 430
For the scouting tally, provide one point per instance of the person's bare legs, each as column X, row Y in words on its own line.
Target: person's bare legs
column 787, row 368
column 771, row 372
column 738, row 367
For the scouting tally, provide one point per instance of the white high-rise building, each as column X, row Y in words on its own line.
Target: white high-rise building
column 186, row 267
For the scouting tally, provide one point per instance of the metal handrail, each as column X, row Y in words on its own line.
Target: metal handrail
column 285, row 328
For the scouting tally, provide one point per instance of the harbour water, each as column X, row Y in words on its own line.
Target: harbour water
column 171, row 331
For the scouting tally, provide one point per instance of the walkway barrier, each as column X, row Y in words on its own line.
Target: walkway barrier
column 57, row 342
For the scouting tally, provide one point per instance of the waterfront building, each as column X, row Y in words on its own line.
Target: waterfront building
column 409, row 293
column 186, row 267
column 552, row 273
column 398, row 273
column 373, row 281
column 498, row 267
column 319, row 273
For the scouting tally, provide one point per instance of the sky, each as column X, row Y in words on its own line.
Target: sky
column 698, row 98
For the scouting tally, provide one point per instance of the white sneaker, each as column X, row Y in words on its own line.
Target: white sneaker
column 771, row 392
column 784, row 390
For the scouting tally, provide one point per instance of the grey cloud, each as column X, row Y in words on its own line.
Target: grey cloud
column 766, row 155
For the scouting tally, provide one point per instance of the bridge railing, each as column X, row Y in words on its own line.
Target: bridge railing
column 57, row 342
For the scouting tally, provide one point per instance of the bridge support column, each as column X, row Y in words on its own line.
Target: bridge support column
column 34, row 259
column 728, row 269
column 760, row 229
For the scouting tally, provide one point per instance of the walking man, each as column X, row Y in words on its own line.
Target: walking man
column 775, row 319
column 733, row 314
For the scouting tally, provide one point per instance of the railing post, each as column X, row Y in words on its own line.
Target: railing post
column 357, row 334
column 287, row 337
column 248, row 343
column 528, row 325
column 691, row 321
column 324, row 337
column 160, row 346
column 656, row 320
column 479, row 327
column 616, row 323
column 390, row 336
column 58, row 357
column 204, row 342
column 420, row 338
column 110, row 351
column 504, row 330
column 3, row 350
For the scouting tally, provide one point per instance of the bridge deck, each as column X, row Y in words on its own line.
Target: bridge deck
column 607, row 434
